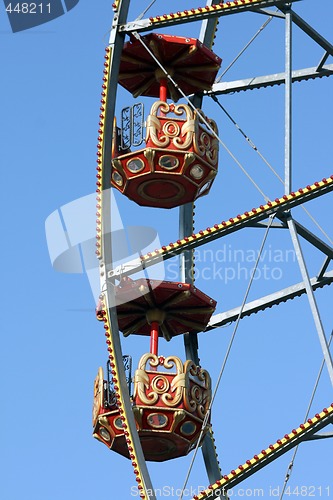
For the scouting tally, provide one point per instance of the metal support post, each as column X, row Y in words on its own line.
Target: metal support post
column 187, row 271
column 288, row 102
column 311, row 298
column 116, row 42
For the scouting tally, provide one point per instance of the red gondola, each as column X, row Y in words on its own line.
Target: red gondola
column 170, row 399
column 180, row 158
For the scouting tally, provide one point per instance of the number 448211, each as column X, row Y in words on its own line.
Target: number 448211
column 307, row 491
column 28, row 8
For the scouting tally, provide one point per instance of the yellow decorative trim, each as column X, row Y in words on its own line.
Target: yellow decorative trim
column 115, row 5
column 100, row 152
column 223, row 482
column 171, row 128
column 98, row 394
column 102, row 420
column 192, row 14
column 278, row 202
column 114, row 364
column 178, row 416
column 197, row 397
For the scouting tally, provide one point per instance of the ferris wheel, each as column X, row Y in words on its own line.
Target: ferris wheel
column 169, row 158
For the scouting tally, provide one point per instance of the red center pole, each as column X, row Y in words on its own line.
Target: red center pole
column 163, row 89
column 154, row 337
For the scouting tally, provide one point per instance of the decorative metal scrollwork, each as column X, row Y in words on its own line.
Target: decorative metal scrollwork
column 188, row 384
column 98, row 394
column 137, row 124
column 126, row 128
column 191, row 130
column 109, row 391
column 179, row 133
column 197, row 396
column 177, row 384
column 132, row 126
column 142, row 382
column 205, row 142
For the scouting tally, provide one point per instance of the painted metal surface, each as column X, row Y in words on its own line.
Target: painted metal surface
column 200, row 14
column 258, row 82
column 170, row 402
column 276, row 298
column 311, row 298
column 267, row 455
column 177, row 307
column 193, row 65
column 104, row 247
column 178, row 162
column 285, row 203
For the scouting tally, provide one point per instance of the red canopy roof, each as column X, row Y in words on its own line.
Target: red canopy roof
column 190, row 64
column 184, row 307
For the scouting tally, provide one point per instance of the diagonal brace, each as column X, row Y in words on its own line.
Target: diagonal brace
column 313, row 239
column 323, row 435
column 311, row 298
column 323, row 268
column 312, row 33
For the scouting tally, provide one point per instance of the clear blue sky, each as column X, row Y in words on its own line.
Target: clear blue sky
column 52, row 345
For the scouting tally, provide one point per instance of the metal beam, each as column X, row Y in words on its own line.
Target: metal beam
column 322, row 61
column 186, row 272
column 324, row 267
column 206, row 36
column 275, row 225
column 225, row 227
column 311, row 298
column 314, row 240
column 112, row 62
column 288, row 103
column 207, row 31
column 323, row 435
column 200, row 14
column 312, row 33
column 258, row 82
column 208, row 27
column 269, row 12
column 265, row 457
column 268, row 301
